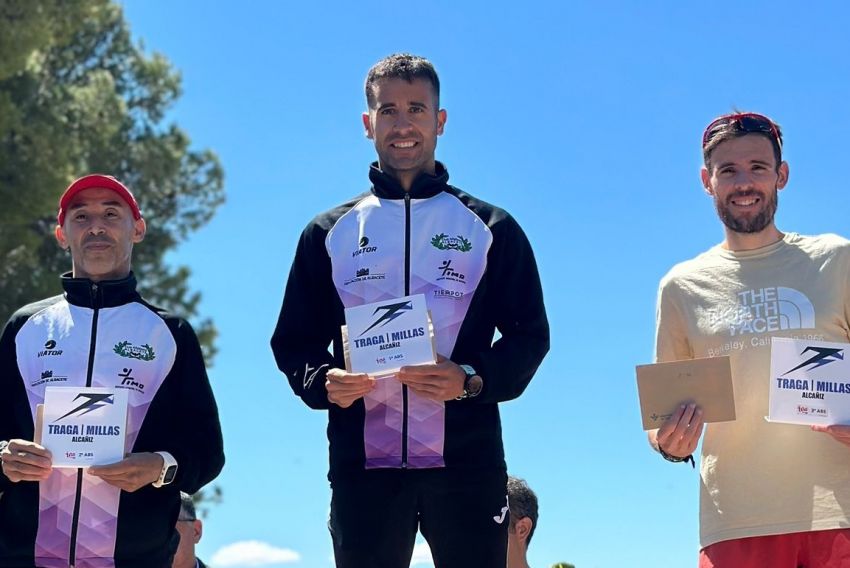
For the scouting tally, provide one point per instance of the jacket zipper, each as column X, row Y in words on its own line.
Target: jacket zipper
column 75, row 518
column 406, row 293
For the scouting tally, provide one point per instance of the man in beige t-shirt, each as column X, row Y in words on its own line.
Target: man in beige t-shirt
column 771, row 495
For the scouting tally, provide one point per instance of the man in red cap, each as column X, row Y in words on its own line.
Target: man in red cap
column 100, row 333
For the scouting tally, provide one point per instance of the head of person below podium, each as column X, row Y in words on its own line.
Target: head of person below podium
column 523, row 509
column 191, row 529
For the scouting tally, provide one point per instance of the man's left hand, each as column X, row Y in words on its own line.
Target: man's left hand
column 839, row 433
column 132, row 473
column 441, row 381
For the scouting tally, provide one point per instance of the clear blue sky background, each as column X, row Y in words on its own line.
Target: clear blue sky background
column 583, row 119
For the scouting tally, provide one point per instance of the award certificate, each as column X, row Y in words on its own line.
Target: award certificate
column 662, row 387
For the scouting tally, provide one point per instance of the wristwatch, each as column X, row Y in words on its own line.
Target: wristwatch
column 472, row 383
column 677, row 459
column 169, row 470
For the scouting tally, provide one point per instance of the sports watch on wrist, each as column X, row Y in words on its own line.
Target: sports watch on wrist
column 676, row 459
column 472, row 383
column 169, row 470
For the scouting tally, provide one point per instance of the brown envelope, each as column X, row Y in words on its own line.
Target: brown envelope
column 662, row 387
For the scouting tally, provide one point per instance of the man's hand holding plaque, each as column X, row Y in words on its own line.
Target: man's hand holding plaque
column 344, row 388
column 440, row 381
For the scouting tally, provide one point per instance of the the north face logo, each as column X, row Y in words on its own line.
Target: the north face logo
column 766, row 310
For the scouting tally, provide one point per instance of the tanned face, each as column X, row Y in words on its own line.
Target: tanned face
column 404, row 122
column 744, row 180
column 99, row 229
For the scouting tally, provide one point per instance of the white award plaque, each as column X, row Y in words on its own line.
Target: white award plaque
column 84, row 426
column 382, row 337
column 809, row 382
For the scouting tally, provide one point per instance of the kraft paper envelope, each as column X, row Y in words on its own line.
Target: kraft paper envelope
column 662, row 387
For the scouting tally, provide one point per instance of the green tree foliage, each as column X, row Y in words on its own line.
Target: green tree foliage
column 77, row 95
column 563, row 565
column 206, row 498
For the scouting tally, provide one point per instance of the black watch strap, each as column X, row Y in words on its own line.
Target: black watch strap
column 677, row 459
column 470, row 391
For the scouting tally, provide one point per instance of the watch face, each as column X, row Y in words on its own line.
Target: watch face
column 474, row 386
column 169, row 474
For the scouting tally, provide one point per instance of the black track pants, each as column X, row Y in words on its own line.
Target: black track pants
column 462, row 514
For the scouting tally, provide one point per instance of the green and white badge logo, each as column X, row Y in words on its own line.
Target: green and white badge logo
column 130, row 351
column 445, row 242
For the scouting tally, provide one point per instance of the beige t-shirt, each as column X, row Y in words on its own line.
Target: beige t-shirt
column 759, row 478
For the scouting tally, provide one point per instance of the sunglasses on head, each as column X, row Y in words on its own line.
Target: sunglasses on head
column 746, row 122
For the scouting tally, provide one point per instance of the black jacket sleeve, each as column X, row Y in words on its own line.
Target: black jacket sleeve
column 307, row 324
column 15, row 417
column 187, row 423
column 515, row 300
column 8, row 377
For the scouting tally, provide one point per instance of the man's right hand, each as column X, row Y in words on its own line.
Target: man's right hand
column 26, row 461
column 680, row 434
column 344, row 388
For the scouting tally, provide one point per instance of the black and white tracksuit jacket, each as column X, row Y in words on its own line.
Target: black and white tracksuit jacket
column 477, row 271
column 104, row 335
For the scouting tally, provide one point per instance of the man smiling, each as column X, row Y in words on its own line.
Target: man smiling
column 423, row 448
column 100, row 333
column 772, row 494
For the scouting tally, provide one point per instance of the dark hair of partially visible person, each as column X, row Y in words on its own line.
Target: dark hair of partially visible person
column 187, row 508
column 401, row 66
column 523, row 503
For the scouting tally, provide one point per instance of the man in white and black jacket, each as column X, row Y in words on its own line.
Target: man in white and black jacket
column 422, row 449
column 101, row 333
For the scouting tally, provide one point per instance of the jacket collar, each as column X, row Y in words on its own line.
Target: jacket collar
column 104, row 294
column 424, row 186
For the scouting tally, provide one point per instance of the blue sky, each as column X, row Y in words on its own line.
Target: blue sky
column 583, row 119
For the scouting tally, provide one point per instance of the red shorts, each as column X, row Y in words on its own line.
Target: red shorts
column 816, row 549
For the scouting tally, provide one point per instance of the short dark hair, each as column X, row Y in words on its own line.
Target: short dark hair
column 401, row 66
column 187, row 508
column 732, row 129
column 523, row 503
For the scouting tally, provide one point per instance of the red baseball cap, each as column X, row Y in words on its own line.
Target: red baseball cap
column 99, row 181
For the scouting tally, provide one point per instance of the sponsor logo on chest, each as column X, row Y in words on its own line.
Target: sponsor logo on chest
column 364, row 248
column 128, row 381
column 141, row 352
column 448, row 272
column 364, row 274
column 50, row 350
column 446, row 294
column 47, row 376
column 444, row 242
